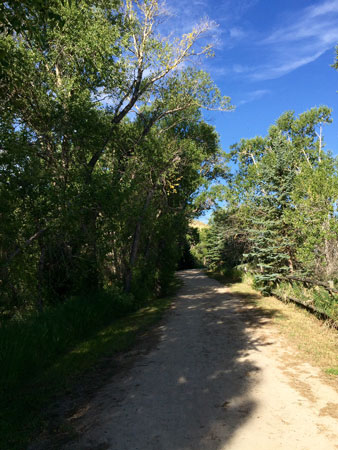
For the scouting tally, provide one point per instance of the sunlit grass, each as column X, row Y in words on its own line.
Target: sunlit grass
column 332, row 371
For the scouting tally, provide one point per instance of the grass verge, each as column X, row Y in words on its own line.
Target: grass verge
column 313, row 340
column 22, row 416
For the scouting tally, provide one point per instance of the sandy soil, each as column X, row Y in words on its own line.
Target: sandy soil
column 220, row 377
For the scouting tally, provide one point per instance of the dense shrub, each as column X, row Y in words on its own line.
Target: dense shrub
column 31, row 343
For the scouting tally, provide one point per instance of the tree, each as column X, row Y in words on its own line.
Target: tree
column 314, row 220
column 226, row 240
column 85, row 88
column 284, row 193
column 271, row 240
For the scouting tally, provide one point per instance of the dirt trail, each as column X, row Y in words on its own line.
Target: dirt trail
column 219, row 378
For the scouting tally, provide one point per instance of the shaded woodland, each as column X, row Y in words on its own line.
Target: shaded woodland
column 103, row 148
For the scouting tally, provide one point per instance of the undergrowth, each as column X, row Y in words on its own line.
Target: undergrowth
column 316, row 296
column 30, row 343
column 43, row 354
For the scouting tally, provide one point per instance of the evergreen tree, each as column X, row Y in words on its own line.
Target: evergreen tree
column 284, row 190
column 269, row 235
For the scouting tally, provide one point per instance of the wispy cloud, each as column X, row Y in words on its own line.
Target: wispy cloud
column 270, row 71
column 219, row 71
column 301, row 36
column 182, row 16
column 237, row 33
column 252, row 96
column 239, row 68
column 299, row 41
column 185, row 14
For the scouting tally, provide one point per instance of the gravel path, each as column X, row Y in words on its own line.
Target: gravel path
column 219, row 378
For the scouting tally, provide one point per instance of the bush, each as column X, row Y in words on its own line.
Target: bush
column 30, row 344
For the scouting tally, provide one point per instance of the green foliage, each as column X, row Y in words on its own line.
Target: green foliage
column 316, row 296
column 103, row 148
column 269, row 236
column 226, row 240
column 31, row 343
column 314, row 221
column 275, row 176
column 198, row 247
column 188, row 243
column 281, row 207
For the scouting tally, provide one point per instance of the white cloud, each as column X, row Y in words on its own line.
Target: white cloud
column 240, row 68
column 270, row 72
column 324, row 8
column 300, row 41
column 187, row 13
column 237, row 33
column 301, row 37
column 218, row 71
column 254, row 95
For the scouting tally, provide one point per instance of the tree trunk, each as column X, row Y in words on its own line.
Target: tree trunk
column 41, row 277
column 136, row 242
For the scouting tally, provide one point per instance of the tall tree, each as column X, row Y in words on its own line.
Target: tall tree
column 279, row 180
column 85, row 85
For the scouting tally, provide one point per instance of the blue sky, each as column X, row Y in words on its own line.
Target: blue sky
column 270, row 56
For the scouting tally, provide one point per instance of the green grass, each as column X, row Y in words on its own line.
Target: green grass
column 28, row 388
column 332, row 371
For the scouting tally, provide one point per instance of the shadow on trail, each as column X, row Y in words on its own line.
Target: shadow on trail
column 194, row 390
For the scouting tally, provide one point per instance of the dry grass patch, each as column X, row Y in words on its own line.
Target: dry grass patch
column 314, row 341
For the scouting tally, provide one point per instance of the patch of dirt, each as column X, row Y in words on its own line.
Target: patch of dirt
column 331, row 409
column 302, row 387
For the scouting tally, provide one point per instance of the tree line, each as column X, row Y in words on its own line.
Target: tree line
column 102, row 147
column 280, row 217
